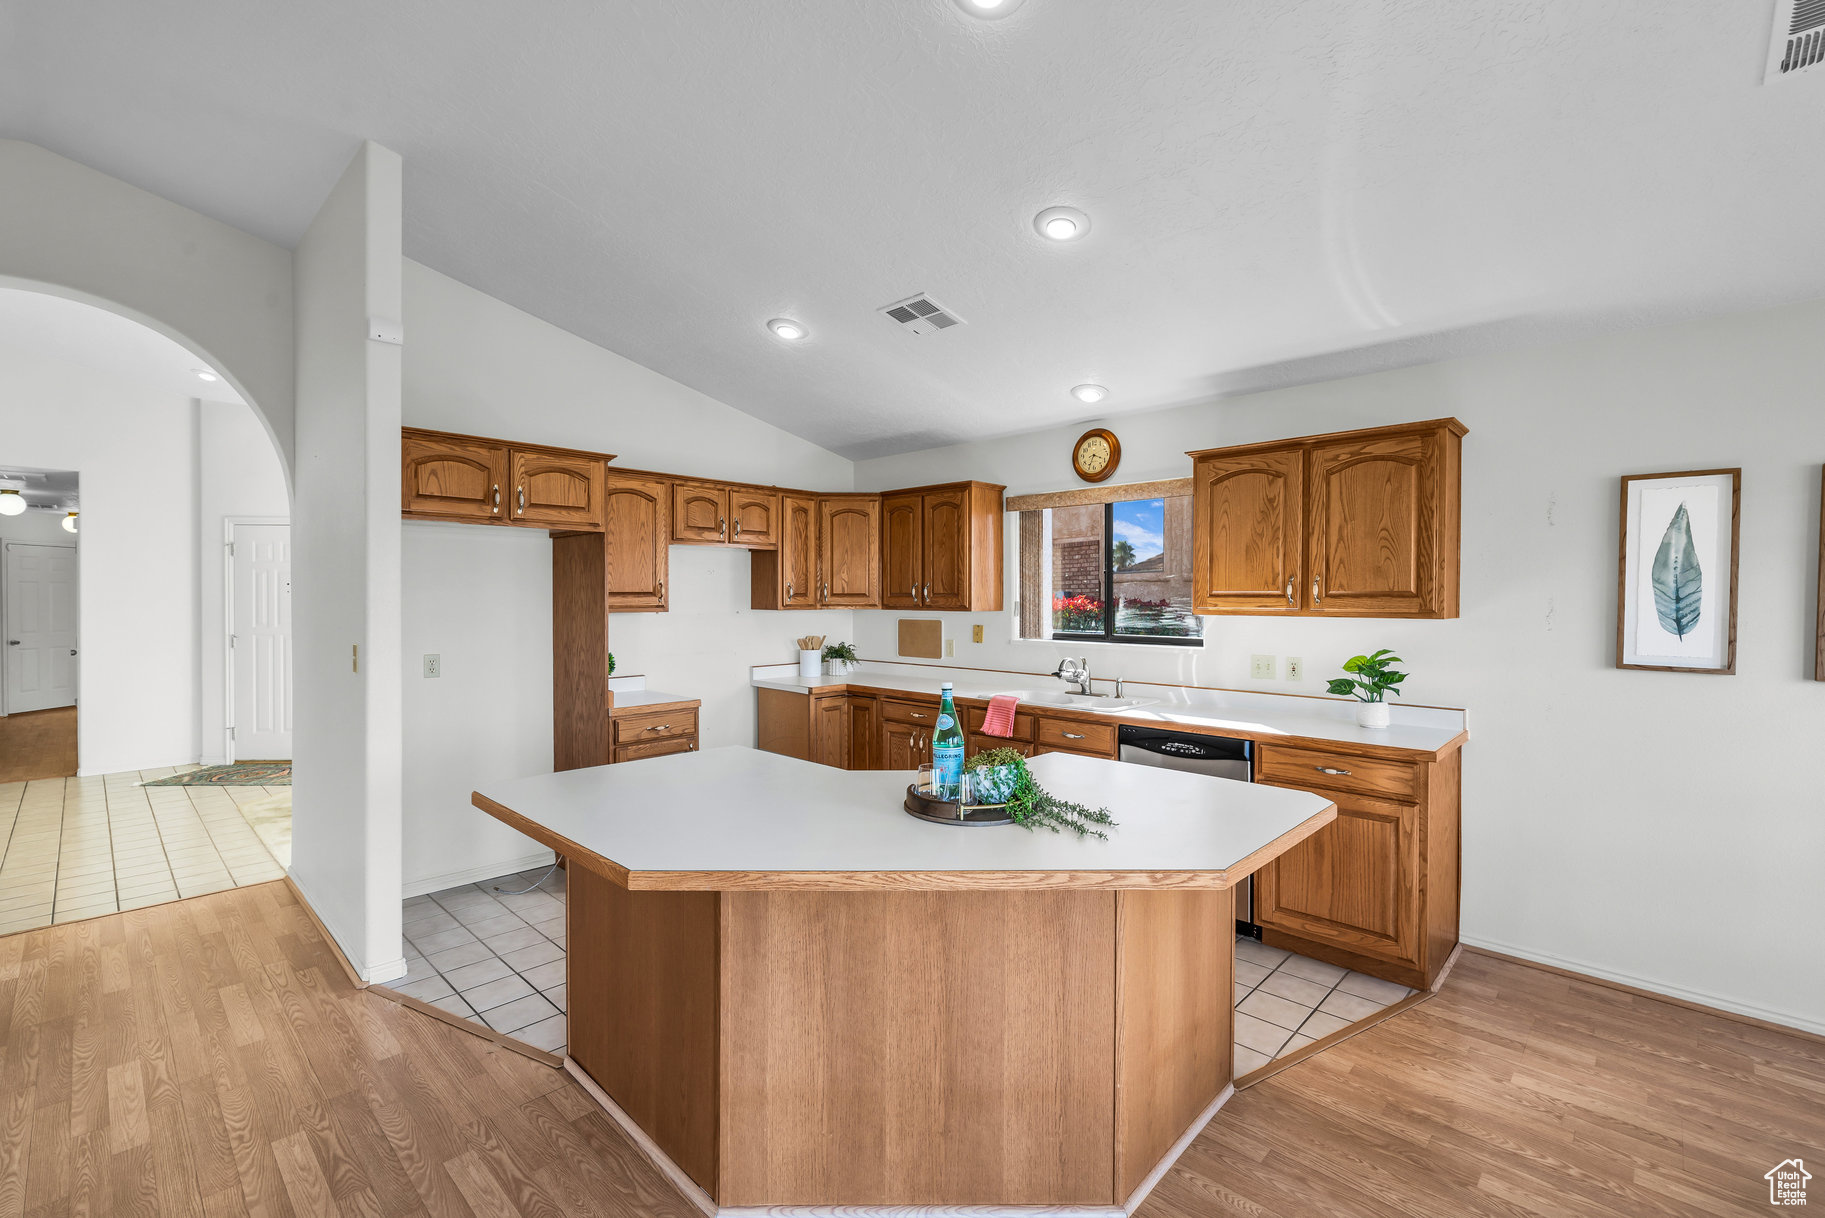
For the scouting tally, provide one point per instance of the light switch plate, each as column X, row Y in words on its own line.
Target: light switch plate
column 1261, row 668
column 433, row 665
column 976, row 633
column 1295, row 668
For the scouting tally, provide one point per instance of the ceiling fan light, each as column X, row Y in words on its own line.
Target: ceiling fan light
column 69, row 522
column 12, row 503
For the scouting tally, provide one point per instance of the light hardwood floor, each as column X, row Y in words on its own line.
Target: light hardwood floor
column 209, row 1057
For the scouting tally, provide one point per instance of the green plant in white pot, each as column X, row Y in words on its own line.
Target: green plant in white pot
column 839, row 658
column 1372, row 678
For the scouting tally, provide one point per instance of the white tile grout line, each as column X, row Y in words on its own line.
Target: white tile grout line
column 565, row 948
column 1310, row 1011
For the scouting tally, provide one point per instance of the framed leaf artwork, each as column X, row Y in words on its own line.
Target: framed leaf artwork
column 1676, row 597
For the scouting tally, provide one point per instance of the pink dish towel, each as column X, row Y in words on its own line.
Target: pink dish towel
column 999, row 721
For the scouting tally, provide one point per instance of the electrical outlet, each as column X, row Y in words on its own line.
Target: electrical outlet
column 1261, row 668
column 433, row 665
column 976, row 633
column 950, row 647
column 1295, row 668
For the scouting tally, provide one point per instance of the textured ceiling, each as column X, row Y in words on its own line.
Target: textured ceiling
column 1280, row 192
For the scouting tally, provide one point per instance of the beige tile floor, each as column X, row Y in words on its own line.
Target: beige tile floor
column 1286, row 1001
column 75, row 848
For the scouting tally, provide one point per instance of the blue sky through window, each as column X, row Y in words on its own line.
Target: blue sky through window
column 1142, row 524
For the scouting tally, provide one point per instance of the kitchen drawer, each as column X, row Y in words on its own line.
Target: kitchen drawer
column 658, row 725
column 1023, row 723
column 656, row 748
column 1070, row 735
column 918, row 714
column 1039, row 750
column 1336, row 771
column 978, row 743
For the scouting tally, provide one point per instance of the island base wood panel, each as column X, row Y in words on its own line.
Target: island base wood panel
column 905, row 1048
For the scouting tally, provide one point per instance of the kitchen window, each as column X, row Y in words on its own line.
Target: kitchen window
column 1114, row 571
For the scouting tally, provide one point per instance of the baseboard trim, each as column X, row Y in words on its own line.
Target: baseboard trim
column 426, row 885
column 354, row 974
column 692, row 1191
column 1643, row 987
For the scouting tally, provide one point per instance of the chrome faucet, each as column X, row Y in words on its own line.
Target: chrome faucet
column 1077, row 672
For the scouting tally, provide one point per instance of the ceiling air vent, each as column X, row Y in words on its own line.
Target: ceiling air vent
column 922, row 315
column 1798, row 44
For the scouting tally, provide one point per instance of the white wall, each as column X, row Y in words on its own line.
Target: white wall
column 239, row 475
column 220, row 292
column 482, row 600
column 1660, row 829
column 345, row 567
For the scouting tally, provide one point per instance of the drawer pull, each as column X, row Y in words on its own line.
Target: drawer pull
column 918, row 714
column 1072, row 735
column 658, row 727
column 1329, row 769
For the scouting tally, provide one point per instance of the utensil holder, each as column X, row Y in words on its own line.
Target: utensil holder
column 811, row 667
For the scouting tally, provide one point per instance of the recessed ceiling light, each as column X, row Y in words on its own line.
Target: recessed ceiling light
column 1089, row 393
column 988, row 8
column 786, row 328
column 203, row 374
column 1061, row 223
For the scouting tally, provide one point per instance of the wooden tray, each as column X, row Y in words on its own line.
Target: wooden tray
column 944, row 811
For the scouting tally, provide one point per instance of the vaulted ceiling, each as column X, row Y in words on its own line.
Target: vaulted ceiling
column 1278, row 192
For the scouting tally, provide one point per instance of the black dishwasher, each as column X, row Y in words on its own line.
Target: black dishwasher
column 1219, row 756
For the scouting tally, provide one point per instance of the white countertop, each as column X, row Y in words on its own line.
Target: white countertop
column 1234, row 712
column 732, row 818
column 633, row 699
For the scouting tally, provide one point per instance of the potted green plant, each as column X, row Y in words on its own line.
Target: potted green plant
column 1372, row 678
column 839, row 658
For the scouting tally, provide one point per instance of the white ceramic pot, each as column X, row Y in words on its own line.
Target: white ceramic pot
column 1372, row 714
column 811, row 667
column 840, row 668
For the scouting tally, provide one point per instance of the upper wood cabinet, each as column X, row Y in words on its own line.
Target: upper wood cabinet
column 454, row 477
column 786, row 577
column 636, row 516
column 849, row 552
column 941, row 548
column 556, row 490
column 1356, row 524
column 700, row 513
column 753, row 518
column 472, row 478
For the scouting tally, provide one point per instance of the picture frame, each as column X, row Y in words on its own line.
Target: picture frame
column 1677, row 560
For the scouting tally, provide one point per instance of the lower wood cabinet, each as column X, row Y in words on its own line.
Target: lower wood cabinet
column 642, row 732
column 1377, row 889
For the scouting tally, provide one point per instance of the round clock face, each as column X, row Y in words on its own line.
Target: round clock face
column 1096, row 455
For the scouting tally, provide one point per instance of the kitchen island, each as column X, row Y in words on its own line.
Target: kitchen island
column 798, row 996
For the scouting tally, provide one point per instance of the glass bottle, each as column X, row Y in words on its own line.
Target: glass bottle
column 947, row 750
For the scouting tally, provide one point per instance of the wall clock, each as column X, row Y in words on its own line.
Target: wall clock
column 1097, row 454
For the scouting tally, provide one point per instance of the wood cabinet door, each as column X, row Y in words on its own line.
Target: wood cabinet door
column 863, row 732
column 700, row 513
column 1373, row 537
column 1354, row 883
column 797, row 553
column 753, row 519
column 849, row 553
column 453, row 478
column 554, row 490
column 900, row 745
column 635, row 517
column 902, row 550
column 1248, row 535
column 947, row 550
column 830, row 731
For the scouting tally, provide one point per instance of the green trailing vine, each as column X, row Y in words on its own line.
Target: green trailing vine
column 1033, row 807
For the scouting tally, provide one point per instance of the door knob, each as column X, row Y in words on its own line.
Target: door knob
column 72, row 651
column 12, row 642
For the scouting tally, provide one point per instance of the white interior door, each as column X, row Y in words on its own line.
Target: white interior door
column 259, row 637
column 40, row 656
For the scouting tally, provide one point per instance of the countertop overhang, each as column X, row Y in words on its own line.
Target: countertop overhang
column 732, row 819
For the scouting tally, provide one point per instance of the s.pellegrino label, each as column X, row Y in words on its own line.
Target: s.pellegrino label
column 947, row 750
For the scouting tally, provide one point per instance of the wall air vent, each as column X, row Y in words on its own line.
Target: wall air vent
column 1798, row 42
column 922, row 315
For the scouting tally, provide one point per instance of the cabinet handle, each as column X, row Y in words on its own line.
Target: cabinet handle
column 496, row 488
column 522, row 501
column 738, row 530
column 1316, row 599
column 914, row 593
column 1326, row 769
column 928, row 594
column 661, row 590
column 1289, row 591
column 659, row 727
column 916, row 714
column 722, row 526
column 788, row 590
column 1072, row 735
column 826, row 592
